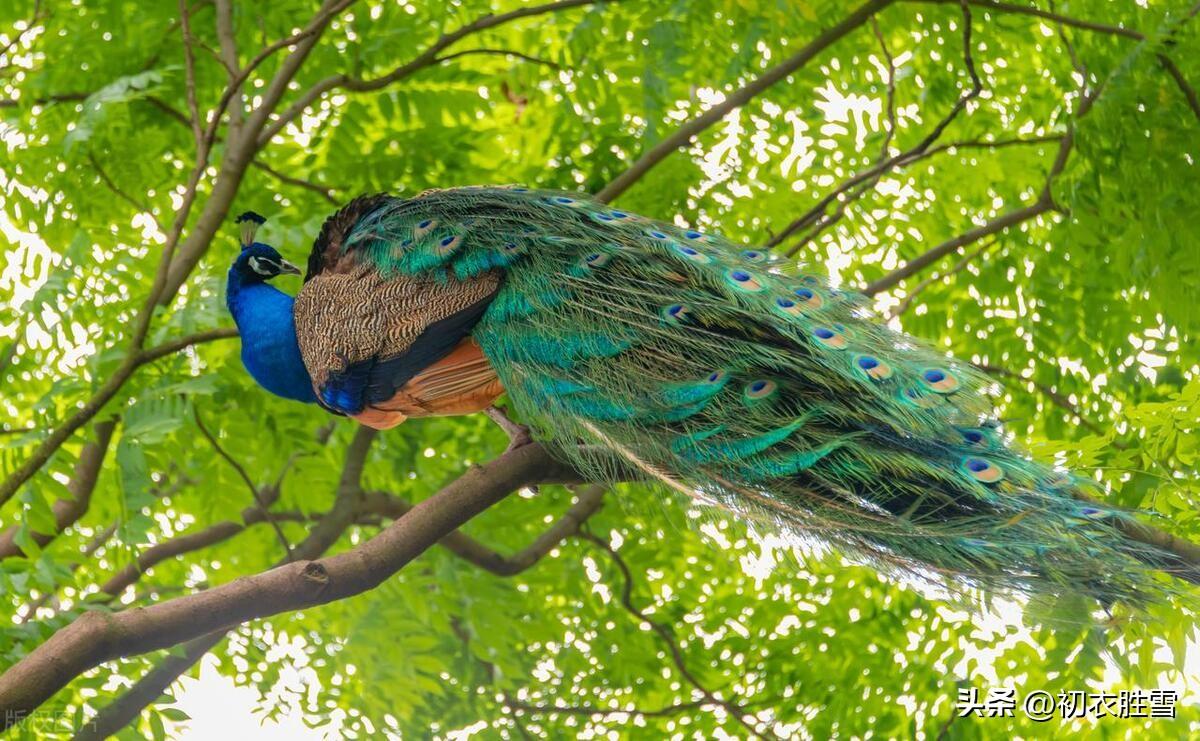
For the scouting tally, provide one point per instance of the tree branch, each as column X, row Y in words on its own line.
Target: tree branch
column 112, row 186
column 154, row 683
column 891, row 88
column 499, row 53
column 961, row 265
column 83, row 482
column 1172, row 70
column 227, row 38
column 1059, row 400
column 264, row 499
column 911, row 155
column 592, row 710
column 737, row 712
column 427, row 58
column 187, row 543
column 94, row 638
column 189, row 66
column 738, row 98
column 472, row 551
column 92, row 407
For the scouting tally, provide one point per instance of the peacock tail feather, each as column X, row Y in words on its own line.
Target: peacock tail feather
column 637, row 345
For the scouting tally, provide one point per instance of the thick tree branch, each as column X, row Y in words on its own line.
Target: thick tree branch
column 94, row 637
column 150, row 687
column 738, row 98
column 83, row 482
column 471, row 550
column 427, row 58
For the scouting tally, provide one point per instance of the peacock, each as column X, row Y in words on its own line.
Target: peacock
column 634, row 345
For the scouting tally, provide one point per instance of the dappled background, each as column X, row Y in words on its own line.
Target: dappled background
column 1019, row 186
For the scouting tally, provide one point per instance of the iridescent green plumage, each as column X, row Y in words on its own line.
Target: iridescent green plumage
column 632, row 344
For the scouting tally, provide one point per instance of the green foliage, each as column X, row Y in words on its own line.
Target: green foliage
column 1092, row 303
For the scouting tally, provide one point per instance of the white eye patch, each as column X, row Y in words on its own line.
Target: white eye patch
column 263, row 266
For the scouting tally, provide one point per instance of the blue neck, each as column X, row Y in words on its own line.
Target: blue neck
column 269, row 349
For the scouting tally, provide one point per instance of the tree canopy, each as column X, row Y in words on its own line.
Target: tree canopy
column 1014, row 181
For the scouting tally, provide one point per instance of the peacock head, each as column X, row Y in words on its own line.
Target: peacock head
column 258, row 262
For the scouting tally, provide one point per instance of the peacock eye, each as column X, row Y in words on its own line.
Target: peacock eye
column 872, row 367
column 939, row 380
column 832, row 338
column 743, row 281
column 982, row 470
column 675, row 313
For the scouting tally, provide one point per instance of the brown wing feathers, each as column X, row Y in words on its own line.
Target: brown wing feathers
column 383, row 349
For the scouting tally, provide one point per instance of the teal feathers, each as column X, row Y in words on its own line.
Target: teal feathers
column 632, row 344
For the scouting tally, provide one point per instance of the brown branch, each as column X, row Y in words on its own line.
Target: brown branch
column 472, row 551
column 427, row 58
column 60, row 98
column 29, row 26
column 592, row 710
column 227, row 39
column 1172, row 70
column 188, row 543
column 324, row 191
column 189, row 66
column 960, row 266
column 94, row 638
column 891, row 88
column 153, row 684
column 738, row 98
column 48, row 597
column 736, row 711
column 1059, row 400
column 877, row 172
column 995, row 226
column 83, row 482
column 1039, row 13
column 1189, row 92
column 92, row 407
column 499, row 53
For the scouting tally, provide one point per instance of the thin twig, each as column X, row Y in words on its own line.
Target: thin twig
column 891, row 89
column 263, row 501
column 499, row 53
column 425, row 59
column 189, row 59
column 736, row 711
column 738, row 98
column 112, row 186
column 467, row 548
column 960, row 104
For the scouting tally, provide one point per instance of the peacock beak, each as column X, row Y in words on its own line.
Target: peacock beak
column 286, row 268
